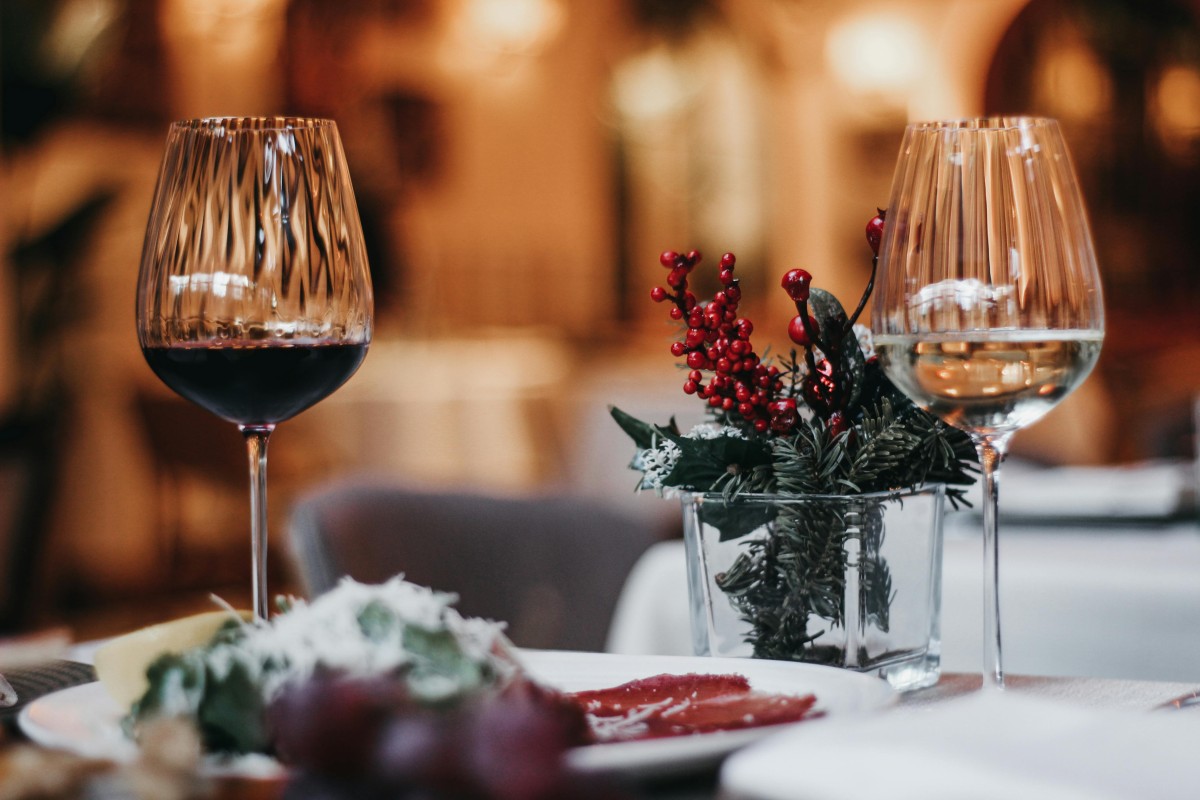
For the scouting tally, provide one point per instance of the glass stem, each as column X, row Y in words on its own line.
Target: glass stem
column 256, row 447
column 991, row 449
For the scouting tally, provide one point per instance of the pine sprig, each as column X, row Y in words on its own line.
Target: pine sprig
column 809, row 462
column 791, row 586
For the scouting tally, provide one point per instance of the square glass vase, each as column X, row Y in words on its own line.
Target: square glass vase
column 850, row 581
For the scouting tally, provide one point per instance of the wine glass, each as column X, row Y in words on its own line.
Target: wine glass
column 254, row 298
column 988, row 308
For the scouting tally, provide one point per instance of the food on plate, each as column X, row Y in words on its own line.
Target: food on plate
column 388, row 688
column 397, row 629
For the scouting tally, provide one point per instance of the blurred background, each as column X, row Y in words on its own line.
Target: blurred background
column 519, row 164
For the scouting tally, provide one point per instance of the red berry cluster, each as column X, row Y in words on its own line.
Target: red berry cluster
column 718, row 341
column 825, row 388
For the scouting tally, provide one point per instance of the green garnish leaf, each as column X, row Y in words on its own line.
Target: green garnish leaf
column 231, row 715
column 439, row 671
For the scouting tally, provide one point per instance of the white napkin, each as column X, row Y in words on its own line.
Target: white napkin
column 1148, row 490
column 981, row 747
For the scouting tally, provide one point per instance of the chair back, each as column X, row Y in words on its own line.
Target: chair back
column 552, row 567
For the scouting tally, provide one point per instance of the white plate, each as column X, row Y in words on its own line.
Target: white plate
column 86, row 721
column 838, row 692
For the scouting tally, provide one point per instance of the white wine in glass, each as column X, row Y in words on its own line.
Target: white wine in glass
column 988, row 309
column 254, row 298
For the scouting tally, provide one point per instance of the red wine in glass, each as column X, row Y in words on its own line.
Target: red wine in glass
column 255, row 384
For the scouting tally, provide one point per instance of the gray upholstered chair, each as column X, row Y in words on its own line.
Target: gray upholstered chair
column 551, row 567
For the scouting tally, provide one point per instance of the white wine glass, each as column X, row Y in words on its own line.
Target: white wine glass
column 254, row 297
column 988, row 308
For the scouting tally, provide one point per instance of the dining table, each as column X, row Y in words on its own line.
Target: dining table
column 1101, row 608
column 1152, row 699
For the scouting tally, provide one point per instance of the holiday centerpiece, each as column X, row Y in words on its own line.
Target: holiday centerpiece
column 813, row 495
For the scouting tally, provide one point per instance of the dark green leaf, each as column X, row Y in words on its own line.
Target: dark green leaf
column 704, row 464
column 176, row 687
column 642, row 433
column 736, row 519
column 827, row 311
column 439, row 672
column 231, row 716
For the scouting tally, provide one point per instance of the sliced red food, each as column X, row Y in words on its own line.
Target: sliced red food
column 679, row 705
column 616, row 700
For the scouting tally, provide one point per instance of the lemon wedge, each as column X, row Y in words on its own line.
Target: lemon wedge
column 121, row 663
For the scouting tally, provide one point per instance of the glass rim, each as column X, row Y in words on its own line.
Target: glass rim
column 996, row 122
column 234, row 124
column 930, row 488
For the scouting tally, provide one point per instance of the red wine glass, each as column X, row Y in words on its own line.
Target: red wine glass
column 254, row 297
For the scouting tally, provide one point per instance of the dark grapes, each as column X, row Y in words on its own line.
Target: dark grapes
column 366, row 739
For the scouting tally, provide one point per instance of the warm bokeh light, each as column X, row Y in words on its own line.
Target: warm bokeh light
column 878, row 53
column 1175, row 110
column 484, row 34
column 1073, row 81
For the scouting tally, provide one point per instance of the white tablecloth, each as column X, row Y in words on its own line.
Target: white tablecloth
column 1097, row 601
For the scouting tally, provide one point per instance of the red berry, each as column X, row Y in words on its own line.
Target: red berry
column 761, row 425
column 838, row 423
column 695, row 359
column 745, row 409
column 658, row 294
column 696, row 375
column 725, row 276
column 694, row 338
column 728, row 260
column 875, row 231
column 782, row 406
column 796, row 283
column 690, row 387
column 667, row 259
column 783, row 415
column 676, row 312
column 714, row 401
column 727, row 403
column 693, row 257
column 722, row 365
column 797, row 332
column 733, row 294
column 676, row 277
column 677, row 349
